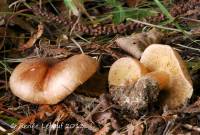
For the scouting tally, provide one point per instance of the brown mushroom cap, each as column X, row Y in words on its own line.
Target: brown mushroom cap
column 125, row 71
column 164, row 58
column 44, row 81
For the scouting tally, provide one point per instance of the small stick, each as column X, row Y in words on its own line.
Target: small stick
column 190, row 19
column 10, row 126
column 158, row 26
column 191, row 48
column 104, row 130
column 73, row 27
column 2, row 129
column 93, row 111
column 83, row 122
column 10, row 112
column 77, row 45
column 191, row 127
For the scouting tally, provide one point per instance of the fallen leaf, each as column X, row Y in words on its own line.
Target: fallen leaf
column 136, row 43
column 133, row 3
column 33, row 39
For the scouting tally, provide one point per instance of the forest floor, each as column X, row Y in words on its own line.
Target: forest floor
column 63, row 28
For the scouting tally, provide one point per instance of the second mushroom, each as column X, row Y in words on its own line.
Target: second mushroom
column 165, row 78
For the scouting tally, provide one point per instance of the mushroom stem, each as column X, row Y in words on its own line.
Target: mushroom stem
column 161, row 77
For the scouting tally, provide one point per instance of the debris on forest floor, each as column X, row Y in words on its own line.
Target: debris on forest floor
column 33, row 39
column 118, row 64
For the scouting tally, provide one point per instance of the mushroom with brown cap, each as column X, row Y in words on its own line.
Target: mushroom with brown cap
column 48, row 81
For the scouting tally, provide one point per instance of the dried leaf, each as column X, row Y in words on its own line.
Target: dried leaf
column 3, row 6
column 104, row 130
column 133, row 3
column 33, row 39
column 102, row 117
column 193, row 108
column 136, row 43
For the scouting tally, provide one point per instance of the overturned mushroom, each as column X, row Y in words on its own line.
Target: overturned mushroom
column 175, row 80
column 47, row 81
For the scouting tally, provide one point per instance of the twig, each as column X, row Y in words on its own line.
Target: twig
column 5, row 124
column 172, row 130
column 73, row 27
column 191, row 48
column 83, row 122
column 169, row 125
column 104, row 130
column 93, row 111
column 191, row 127
column 11, row 127
column 15, row 3
column 73, row 40
column 190, row 19
column 9, row 112
column 2, row 129
column 158, row 26
column 89, row 42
